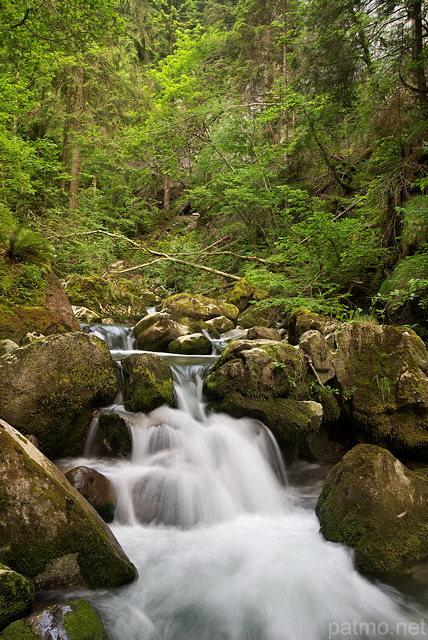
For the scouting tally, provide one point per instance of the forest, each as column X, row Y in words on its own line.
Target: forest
column 184, row 144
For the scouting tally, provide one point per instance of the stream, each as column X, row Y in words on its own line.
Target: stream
column 232, row 550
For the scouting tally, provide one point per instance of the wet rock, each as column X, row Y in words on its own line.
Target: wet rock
column 48, row 530
column 378, row 507
column 50, row 387
column 156, row 331
column 148, row 382
column 112, row 438
column 193, row 344
column 184, row 306
column 96, row 489
column 68, row 620
column 16, row 595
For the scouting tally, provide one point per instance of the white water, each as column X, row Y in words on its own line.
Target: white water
column 223, row 549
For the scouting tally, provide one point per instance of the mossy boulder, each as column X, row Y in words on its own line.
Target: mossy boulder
column 263, row 333
column 120, row 299
column 17, row 594
column 193, row 344
column 302, row 320
column 50, row 387
column 112, row 438
column 244, row 292
column 48, row 530
column 381, row 372
column 258, row 369
column 291, row 421
column 156, row 331
column 96, row 489
column 68, row 620
column 185, row 306
column 376, row 506
column 259, row 316
column 267, row 380
column 148, row 382
column 50, row 314
column 217, row 326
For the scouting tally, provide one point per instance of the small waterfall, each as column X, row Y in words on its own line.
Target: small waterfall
column 116, row 336
column 223, row 547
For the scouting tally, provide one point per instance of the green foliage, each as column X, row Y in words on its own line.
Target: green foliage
column 21, row 244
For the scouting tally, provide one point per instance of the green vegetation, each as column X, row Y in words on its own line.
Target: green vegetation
column 193, row 142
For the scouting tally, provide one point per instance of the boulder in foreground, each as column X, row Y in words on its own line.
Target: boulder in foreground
column 376, row 506
column 48, row 530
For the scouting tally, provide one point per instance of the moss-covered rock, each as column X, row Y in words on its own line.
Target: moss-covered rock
column 244, row 292
column 48, row 530
column 184, row 306
column 120, row 299
column 50, row 314
column 50, row 387
column 156, row 331
column 17, row 594
column 255, row 316
column 381, row 372
column 217, row 326
column 263, row 333
column 193, row 344
column 302, row 320
column 290, row 421
column 259, row 369
column 148, row 382
column 96, row 489
column 68, row 620
column 378, row 507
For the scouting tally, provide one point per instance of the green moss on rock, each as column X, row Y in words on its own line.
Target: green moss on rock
column 16, row 595
column 193, row 344
column 148, row 382
column 48, row 531
column 51, row 386
column 197, row 307
column 378, row 507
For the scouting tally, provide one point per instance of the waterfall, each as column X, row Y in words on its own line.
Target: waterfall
column 224, row 546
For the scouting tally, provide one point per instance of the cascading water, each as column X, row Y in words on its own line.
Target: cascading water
column 225, row 550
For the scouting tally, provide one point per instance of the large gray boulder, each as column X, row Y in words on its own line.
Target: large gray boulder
column 374, row 504
column 48, row 531
column 50, row 387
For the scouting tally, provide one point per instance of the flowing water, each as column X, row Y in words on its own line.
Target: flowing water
column 225, row 547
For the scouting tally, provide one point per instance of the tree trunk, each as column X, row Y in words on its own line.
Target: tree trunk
column 64, row 154
column 416, row 16
column 75, row 150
